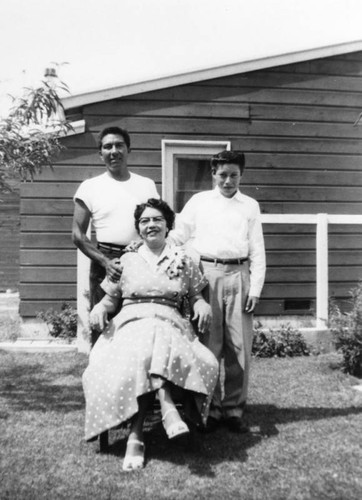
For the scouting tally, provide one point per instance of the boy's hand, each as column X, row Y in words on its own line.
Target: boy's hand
column 251, row 304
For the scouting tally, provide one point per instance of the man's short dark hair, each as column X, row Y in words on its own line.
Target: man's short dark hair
column 115, row 131
column 235, row 157
column 160, row 205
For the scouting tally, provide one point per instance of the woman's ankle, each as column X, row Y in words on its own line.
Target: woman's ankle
column 135, row 435
column 171, row 415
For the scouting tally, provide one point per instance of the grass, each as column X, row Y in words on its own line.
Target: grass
column 304, row 442
column 9, row 328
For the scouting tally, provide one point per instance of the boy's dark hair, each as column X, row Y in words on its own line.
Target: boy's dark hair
column 116, row 131
column 236, row 157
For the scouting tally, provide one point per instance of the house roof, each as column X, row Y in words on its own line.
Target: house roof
column 124, row 48
column 140, row 85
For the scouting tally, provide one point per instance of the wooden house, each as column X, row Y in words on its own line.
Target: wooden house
column 10, row 239
column 293, row 117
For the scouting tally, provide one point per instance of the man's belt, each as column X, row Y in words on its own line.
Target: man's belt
column 111, row 247
column 223, row 261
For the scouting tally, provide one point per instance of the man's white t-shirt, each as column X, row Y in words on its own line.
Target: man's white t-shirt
column 112, row 204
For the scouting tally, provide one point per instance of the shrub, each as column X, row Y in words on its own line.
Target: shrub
column 281, row 342
column 347, row 332
column 61, row 324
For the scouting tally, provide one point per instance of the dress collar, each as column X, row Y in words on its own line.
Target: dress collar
column 150, row 258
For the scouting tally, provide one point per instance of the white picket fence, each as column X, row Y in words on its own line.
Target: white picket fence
column 322, row 221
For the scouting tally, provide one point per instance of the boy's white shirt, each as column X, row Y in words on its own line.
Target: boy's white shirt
column 224, row 228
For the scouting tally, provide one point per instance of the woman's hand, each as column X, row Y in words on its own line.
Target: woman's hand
column 114, row 270
column 98, row 317
column 202, row 313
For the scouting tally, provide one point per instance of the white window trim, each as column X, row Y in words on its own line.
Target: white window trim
column 172, row 147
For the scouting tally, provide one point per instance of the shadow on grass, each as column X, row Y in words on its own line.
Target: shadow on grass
column 267, row 417
column 33, row 387
column 201, row 452
column 53, row 383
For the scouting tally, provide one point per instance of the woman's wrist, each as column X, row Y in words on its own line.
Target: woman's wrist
column 196, row 298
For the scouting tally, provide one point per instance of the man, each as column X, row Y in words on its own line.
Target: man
column 224, row 228
column 109, row 200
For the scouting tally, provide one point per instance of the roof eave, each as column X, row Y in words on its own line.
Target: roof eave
column 208, row 74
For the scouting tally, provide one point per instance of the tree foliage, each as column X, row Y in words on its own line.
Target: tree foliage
column 30, row 134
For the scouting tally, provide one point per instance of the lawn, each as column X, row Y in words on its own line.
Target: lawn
column 305, row 439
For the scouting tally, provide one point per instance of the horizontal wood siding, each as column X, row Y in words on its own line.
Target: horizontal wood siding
column 303, row 155
column 10, row 240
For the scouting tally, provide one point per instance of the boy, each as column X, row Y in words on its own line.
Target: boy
column 226, row 232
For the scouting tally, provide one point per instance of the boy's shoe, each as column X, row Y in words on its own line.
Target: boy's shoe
column 211, row 425
column 237, row 425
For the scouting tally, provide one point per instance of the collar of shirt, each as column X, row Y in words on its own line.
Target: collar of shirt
column 237, row 196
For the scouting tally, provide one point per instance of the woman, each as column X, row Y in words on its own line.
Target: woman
column 149, row 346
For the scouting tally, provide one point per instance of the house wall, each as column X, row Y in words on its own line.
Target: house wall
column 10, row 240
column 303, row 155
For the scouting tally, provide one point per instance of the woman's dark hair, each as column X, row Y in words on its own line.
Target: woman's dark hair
column 160, row 205
column 115, row 131
column 235, row 157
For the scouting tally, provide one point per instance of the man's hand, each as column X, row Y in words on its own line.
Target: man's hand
column 251, row 304
column 114, row 270
column 98, row 317
column 202, row 312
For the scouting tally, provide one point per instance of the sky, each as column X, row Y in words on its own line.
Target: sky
column 110, row 42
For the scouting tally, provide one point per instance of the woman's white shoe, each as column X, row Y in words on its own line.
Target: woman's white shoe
column 134, row 462
column 175, row 429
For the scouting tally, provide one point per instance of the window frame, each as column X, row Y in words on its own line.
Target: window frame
column 175, row 147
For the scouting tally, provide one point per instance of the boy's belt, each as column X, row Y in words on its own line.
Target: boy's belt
column 223, row 261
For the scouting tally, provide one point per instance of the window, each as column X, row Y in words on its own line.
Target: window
column 186, row 169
